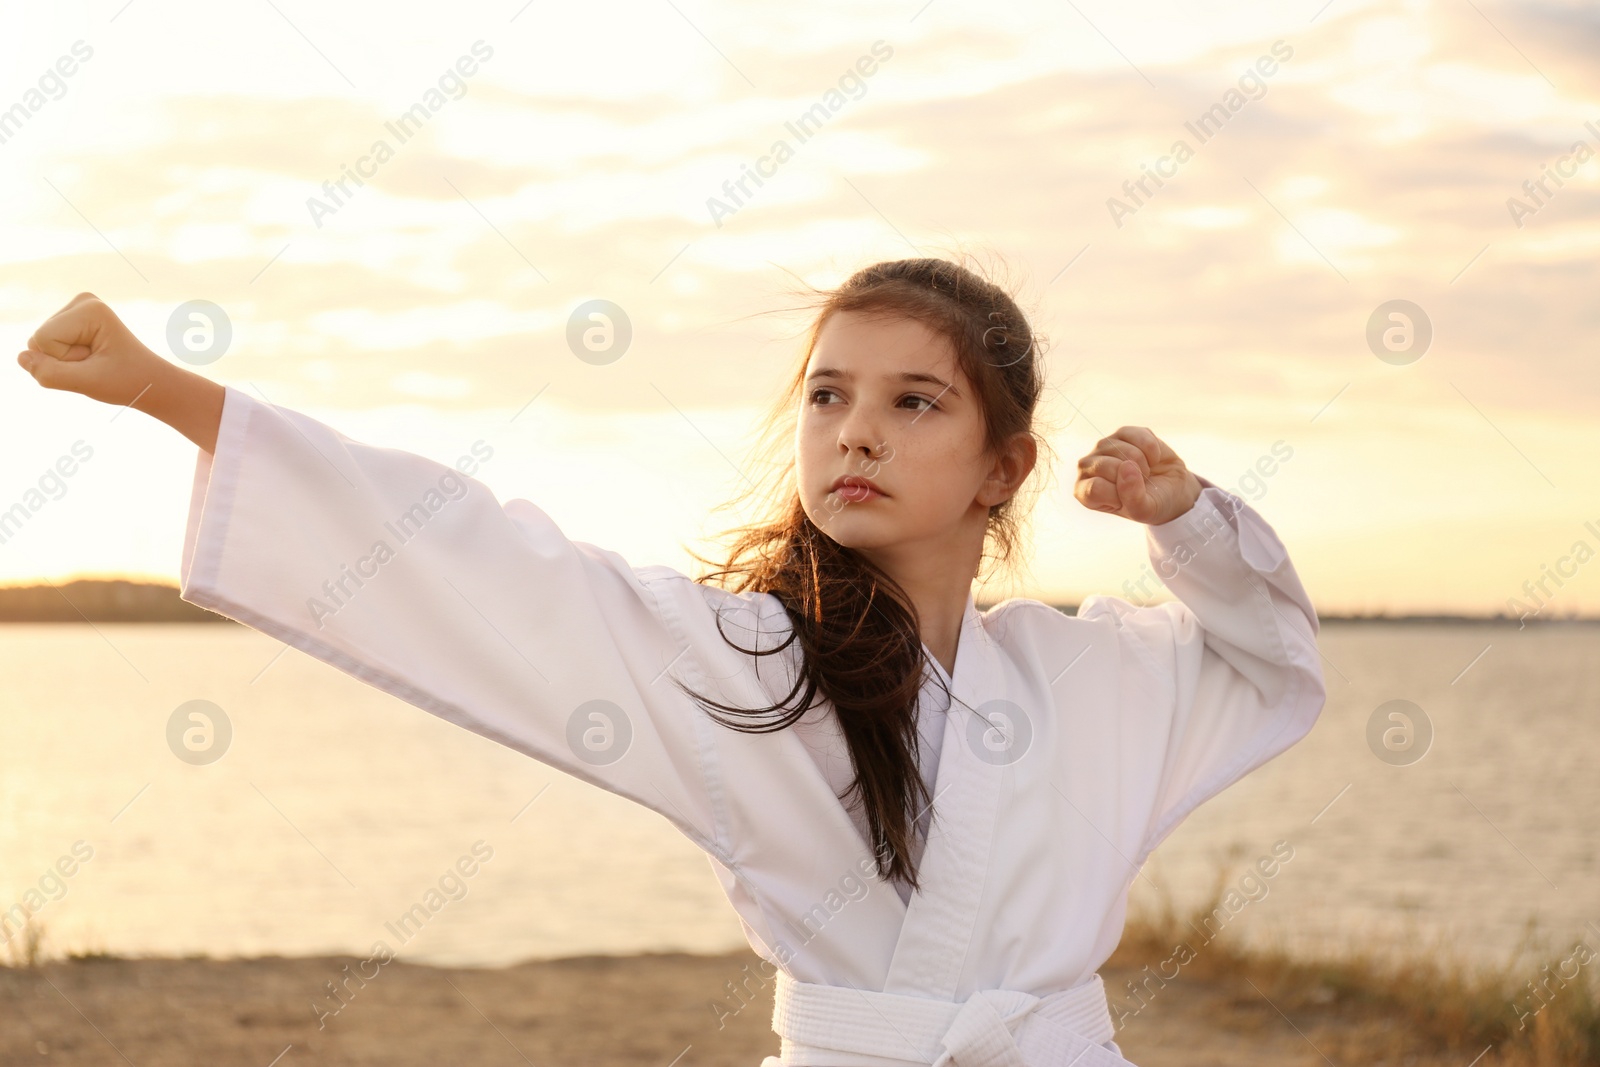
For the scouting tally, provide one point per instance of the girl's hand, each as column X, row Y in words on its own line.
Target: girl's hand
column 84, row 348
column 1133, row 473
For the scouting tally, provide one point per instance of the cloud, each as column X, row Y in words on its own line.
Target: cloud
column 1376, row 165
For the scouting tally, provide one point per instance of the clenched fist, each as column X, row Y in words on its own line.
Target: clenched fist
column 84, row 348
column 1133, row 473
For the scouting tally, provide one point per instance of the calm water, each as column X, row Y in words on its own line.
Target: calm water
column 337, row 807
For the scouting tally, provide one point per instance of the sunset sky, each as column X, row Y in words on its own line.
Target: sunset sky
column 1356, row 154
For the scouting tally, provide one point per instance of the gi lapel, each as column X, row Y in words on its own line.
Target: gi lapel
column 939, row 921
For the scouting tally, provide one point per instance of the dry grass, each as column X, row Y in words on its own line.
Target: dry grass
column 1456, row 1006
column 25, row 947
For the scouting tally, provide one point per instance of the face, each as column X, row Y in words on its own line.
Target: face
column 885, row 401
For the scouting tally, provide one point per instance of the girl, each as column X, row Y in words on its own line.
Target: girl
column 926, row 817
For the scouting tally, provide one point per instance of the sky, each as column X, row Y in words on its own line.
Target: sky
column 1370, row 274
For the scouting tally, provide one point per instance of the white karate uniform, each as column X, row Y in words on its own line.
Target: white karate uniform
column 1075, row 746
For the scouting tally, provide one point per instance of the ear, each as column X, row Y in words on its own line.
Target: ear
column 1009, row 469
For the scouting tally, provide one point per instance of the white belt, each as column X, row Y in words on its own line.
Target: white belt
column 827, row 1025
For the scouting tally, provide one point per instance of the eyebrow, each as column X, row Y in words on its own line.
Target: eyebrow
column 904, row 376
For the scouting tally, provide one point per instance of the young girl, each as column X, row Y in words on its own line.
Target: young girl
column 926, row 817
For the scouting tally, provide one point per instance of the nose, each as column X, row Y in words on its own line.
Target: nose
column 860, row 439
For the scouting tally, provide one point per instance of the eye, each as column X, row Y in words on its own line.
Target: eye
column 819, row 392
column 917, row 396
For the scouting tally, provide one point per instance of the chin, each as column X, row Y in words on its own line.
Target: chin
column 852, row 532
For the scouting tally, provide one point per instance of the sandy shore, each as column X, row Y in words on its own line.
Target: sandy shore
column 649, row 1011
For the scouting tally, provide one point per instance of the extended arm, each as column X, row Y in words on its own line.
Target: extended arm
column 414, row 578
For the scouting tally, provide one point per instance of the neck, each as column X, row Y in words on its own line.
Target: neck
column 937, row 576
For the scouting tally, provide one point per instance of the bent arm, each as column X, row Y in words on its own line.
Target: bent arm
column 1230, row 671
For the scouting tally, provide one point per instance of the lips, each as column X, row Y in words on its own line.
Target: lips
column 856, row 489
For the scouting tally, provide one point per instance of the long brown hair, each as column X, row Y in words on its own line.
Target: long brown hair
column 858, row 630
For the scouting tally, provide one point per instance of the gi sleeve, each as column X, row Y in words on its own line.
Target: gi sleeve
column 413, row 578
column 1230, row 670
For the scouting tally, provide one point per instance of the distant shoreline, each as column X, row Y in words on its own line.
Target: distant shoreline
column 99, row 600
column 103, row 600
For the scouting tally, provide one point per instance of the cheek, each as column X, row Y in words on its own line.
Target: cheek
column 808, row 460
column 936, row 476
column 811, row 465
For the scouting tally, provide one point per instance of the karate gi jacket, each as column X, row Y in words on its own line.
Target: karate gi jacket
column 1074, row 744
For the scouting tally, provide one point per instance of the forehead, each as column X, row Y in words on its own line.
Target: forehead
column 875, row 344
